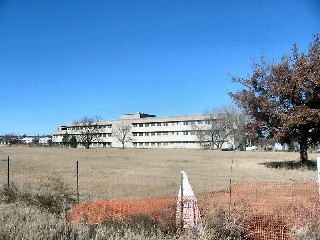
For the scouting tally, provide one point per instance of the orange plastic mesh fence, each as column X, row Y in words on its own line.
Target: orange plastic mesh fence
column 267, row 210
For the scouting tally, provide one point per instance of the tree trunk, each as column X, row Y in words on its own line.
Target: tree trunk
column 212, row 143
column 303, row 150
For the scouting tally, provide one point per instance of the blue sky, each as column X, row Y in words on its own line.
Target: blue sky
column 63, row 60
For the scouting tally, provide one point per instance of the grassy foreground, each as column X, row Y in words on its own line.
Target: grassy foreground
column 42, row 189
column 41, row 215
column 25, row 215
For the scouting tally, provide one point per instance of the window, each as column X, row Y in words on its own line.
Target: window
column 165, row 124
column 152, row 134
column 134, row 124
column 193, row 133
column 140, row 125
column 147, row 144
column 134, row 144
column 152, row 144
column 134, row 134
column 158, row 124
column 152, row 124
column 146, row 134
column 185, row 133
column 140, row 144
column 158, row 144
column 165, row 133
column 185, row 123
column 158, row 133
column 140, row 134
column 147, row 125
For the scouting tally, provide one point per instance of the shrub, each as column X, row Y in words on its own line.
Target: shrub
column 40, row 214
column 307, row 232
column 220, row 226
column 52, row 196
column 19, row 221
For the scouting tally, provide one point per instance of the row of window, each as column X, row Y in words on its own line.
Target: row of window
column 135, row 134
column 140, row 134
column 81, row 127
column 163, row 133
column 99, row 144
column 147, row 124
column 158, row 144
column 104, row 135
column 167, row 123
column 97, row 135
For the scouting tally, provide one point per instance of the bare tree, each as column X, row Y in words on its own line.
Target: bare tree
column 87, row 129
column 234, row 123
column 283, row 99
column 10, row 138
column 221, row 125
column 122, row 132
column 213, row 131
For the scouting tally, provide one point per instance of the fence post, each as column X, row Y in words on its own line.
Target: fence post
column 230, row 197
column 8, row 172
column 78, row 182
column 318, row 168
column 230, row 186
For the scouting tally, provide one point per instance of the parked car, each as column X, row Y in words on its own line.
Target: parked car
column 252, row 148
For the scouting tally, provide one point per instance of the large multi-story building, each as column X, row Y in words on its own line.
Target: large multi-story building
column 145, row 131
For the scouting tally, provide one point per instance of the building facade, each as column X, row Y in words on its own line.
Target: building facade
column 146, row 131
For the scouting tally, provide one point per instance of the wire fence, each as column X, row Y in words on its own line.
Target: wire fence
column 266, row 210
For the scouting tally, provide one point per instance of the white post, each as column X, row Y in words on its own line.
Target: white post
column 188, row 214
column 181, row 201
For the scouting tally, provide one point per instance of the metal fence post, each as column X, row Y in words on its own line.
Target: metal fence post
column 318, row 177
column 8, row 172
column 78, row 182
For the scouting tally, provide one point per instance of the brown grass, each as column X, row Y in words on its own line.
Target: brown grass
column 140, row 173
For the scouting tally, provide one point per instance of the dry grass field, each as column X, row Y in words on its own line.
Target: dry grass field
column 43, row 186
column 138, row 173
